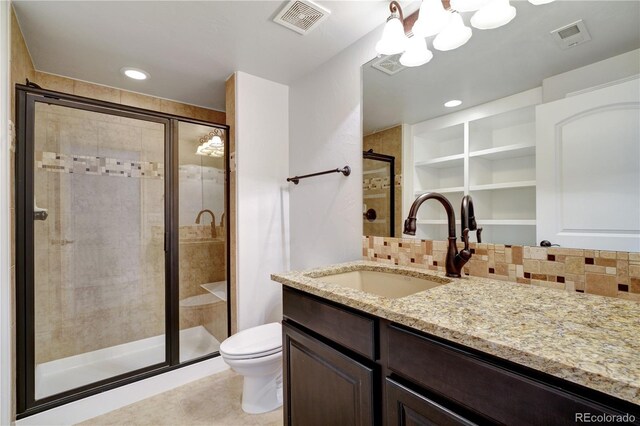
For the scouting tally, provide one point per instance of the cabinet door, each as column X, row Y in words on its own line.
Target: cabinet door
column 322, row 385
column 588, row 169
column 408, row 408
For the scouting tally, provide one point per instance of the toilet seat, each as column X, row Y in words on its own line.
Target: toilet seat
column 255, row 342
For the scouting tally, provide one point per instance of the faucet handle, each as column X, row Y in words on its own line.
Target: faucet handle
column 478, row 232
column 465, row 238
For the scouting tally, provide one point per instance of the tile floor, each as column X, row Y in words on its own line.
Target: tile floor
column 214, row 400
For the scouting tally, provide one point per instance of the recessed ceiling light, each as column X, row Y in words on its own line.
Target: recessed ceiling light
column 135, row 73
column 453, row 103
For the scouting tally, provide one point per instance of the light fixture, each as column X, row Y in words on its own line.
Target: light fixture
column 453, row 103
column 494, row 14
column 393, row 39
column 417, row 53
column 135, row 73
column 441, row 18
column 432, row 18
column 211, row 144
column 467, row 5
column 454, row 35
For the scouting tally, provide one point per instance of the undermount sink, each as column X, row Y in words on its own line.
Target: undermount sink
column 385, row 284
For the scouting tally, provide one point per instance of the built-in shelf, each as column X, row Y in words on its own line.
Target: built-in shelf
column 489, row 152
column 441, row 162
column 508, row 151
column 441, row 190
column 435, row 222
column 506, row 185
column 507, row 222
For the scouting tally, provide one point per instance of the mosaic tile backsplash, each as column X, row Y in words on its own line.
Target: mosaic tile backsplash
column 605, row 273
column 92, row 165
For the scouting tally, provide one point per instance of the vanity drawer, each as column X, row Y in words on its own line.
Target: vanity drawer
column 347, row 328
column 483, row 387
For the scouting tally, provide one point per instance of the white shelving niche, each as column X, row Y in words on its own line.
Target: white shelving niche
column 489, row 152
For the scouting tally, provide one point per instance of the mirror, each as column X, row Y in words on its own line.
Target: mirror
column 547, row 139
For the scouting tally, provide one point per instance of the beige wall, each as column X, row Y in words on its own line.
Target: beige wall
column 388, row 142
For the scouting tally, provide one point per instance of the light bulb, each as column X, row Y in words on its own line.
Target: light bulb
column 432, row 19
column 417, row 53
column 454, row 35
column 393, row 39
column 494, row 14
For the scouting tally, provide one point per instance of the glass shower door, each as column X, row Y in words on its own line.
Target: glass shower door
column 378, row 207
column 202, row 240
column 98, row 246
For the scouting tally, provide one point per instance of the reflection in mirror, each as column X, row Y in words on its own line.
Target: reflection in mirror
column 379, row 210
column 202, row 255
column 387, row 142
column 547, row 138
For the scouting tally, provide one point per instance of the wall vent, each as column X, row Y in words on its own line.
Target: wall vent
column 301, row 16
column 388, row 64
column 571, row 35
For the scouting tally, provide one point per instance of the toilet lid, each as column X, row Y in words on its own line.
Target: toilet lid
column 263, row 339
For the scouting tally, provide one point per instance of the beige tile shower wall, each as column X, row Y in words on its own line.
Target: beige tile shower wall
column 230, row 100
column 110, row 94
column 388, row 142
column 200, row 262
column 605, row 273
column 99, row 271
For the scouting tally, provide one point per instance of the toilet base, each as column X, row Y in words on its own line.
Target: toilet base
column 261, row 394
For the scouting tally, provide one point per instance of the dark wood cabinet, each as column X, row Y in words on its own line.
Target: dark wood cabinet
column 345, row 367
column 324, row 386
column 406, row 407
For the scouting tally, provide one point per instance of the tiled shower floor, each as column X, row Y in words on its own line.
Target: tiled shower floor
column 214, row 400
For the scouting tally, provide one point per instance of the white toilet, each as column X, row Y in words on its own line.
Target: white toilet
column 256, row 354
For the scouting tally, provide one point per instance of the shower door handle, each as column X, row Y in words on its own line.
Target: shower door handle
column 61, row 242
column 40, row 214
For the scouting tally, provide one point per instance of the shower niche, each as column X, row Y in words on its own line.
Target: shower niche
column 115, row 279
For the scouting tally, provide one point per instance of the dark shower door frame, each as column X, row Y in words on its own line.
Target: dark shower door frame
column 26, row 99
column 370, row 155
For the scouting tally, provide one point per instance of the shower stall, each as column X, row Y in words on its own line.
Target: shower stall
column 121, row 245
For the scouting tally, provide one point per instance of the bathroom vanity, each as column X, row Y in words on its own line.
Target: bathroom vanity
column 468, row 351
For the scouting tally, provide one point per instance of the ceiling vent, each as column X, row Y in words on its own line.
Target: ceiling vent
column 389, row 64
column 571, row 35
column 301, row 16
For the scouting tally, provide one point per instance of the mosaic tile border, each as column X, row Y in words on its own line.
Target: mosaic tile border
column 381, row 182
column 601, row 272
column 100, row 166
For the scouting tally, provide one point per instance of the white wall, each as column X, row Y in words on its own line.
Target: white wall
column 611, row 69
column 262, row 166
column 325, row 133
column 5, row 298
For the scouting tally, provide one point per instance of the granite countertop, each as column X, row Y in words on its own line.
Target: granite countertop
column 586, row 339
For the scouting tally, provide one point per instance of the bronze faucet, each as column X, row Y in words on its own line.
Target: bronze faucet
column 214, row 234
column 455, row 261
column 468, row 220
